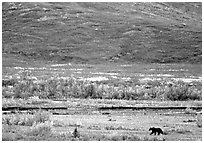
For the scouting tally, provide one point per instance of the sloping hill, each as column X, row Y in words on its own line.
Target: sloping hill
column 102, row 32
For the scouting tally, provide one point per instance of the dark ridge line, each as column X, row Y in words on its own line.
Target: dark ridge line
column 104, row 108
column 33, row 108
column 150, row 107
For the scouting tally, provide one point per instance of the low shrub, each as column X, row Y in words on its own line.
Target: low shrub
column 183, row 93
column 179, row 130
column 40, row 129
column 26, row 119
column 56, row 88
column 9, row 82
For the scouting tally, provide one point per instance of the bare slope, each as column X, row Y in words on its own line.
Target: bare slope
column 102, row 32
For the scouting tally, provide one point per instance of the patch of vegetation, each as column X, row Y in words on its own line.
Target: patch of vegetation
column 188, row 110
column 127, row 137
column 199, row 120
column 57, row 88
column 57, row 123
column 119, row 128
column 183, row 92
column 179, row 130
column 94, row 127
column 27, row 119
column 41, row 129
column 26, row 126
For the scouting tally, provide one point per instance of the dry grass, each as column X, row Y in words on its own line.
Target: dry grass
column 199, row 120
column 126, row 126
column 27, row 119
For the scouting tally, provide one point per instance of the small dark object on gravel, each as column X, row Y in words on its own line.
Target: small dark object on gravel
column 76, row 133
column 105, row 113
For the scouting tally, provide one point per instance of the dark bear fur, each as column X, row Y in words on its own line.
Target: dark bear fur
column 156, row 130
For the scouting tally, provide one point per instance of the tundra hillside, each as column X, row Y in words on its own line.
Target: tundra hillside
column 101, row 32
column 101, row 71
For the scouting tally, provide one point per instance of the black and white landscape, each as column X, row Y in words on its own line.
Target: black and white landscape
column 102, row 71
